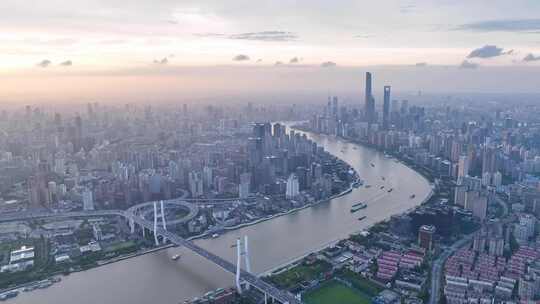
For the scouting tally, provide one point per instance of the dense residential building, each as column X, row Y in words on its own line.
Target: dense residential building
column 425, row 237
column 292, row 187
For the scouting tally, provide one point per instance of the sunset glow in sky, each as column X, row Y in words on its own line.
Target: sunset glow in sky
column 77, row 38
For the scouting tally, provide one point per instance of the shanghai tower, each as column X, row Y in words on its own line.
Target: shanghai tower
column 369, row 107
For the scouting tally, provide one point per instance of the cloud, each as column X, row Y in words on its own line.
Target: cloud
column 531, row 57
column 44, row 63
column 504, row 25
column 205, row 35
column 241, row 57
column 294, row 60
column 163, row 61
column 468, row 65
column 254, row 36
column 488, row 51
column 66, row 63
column 421, row 64
column 328, row 64
column 278, row 63
column 266, row 36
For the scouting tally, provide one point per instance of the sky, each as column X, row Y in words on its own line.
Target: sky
column 104, row 48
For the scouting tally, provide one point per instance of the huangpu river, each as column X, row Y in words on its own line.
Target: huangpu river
column 156, row 278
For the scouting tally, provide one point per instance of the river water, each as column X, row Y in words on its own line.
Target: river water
column 155, row 278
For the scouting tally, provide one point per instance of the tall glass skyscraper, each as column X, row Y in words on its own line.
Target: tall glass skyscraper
column 386, row 108
column 369, row 107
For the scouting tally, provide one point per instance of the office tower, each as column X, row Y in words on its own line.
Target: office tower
column 456, row 150
column 463, row 166
column 486, row 179
column 460, row 195
column 335, row 106
column 208, row 177
column 369, row 107
column 77, row 134
column 37, row 187
column 293, row 187
column 386, row 108
column 51, row 186
column 258, row 130
column 264, row 132
column 497, row 179
column 521, row 233
column 529, row 222
column 477, row 203
column 328, row 108
column 174, row 172
column 195, row 184
column 425, row 237
column 245, row 184
column 60, row 166
column 88, row 200
column 489, row 159
column 394, row 108
column 394, row 112
column 38, row 192
column 404, row 106
column 278, row 131
column 255, row 150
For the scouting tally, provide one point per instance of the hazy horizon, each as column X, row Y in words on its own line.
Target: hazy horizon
column 189, row 84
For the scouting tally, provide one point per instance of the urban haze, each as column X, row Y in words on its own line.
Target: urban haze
column 250, row 152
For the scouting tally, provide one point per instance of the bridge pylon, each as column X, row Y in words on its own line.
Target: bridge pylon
column 246, row 257
column 242, row 251
column 157, row 216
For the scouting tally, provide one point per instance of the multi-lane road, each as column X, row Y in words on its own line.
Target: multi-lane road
column 437, row 268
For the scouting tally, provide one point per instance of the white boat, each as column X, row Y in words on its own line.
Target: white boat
column 175, row 257
column 215, row 235
column 44, row 284
column 8, row 295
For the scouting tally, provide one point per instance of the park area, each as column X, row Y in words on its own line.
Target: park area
column 300, row 273
column 332, row 292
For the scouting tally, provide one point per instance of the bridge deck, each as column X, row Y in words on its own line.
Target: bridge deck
column 279, row 295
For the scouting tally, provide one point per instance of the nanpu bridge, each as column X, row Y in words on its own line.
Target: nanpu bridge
column 160, row 230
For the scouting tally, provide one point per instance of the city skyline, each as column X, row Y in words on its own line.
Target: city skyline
column 290, row 151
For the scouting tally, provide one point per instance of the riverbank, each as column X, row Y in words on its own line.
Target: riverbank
column 353, row 176
column 272, row 243
column 404, row 161
column 273, row 216
column 99, row 264
column 295, row 261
